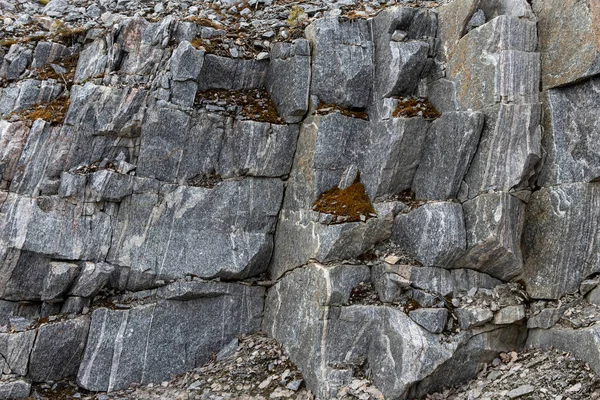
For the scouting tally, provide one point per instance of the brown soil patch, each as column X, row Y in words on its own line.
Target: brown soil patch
column 69, row 63
column 53, row 112
column 254, row 104
column 409, row 107
column 324, row 109
column 209, row 180
column 346, row 205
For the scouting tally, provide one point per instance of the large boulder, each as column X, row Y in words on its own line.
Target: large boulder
column 494, row 223
column 153, row 341
column 342, row 61
column 226, row 231
column 433, row 234
column 509, row 129
column 58, row 349
column 571, row 134
column 561, row 239
column 451, row 143
column 288, row 80
column 569, row 40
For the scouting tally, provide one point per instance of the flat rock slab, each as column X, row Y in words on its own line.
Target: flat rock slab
column 560, row 239
column 150, row 343
column 223, row 232
column 433, row 234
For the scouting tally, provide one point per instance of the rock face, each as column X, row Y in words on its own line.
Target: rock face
column 391, row 177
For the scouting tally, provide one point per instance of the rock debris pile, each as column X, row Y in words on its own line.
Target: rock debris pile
column 351, row 178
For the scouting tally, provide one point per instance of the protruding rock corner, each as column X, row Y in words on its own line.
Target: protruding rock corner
column 395, row 192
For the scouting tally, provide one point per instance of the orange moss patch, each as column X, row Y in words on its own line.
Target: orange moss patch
column 407, row 197
column 346, row 205
column 255, row 104
column 324, row 109
column 69, row 63
column 67, row 35
column 53, row 112
column 409, row 107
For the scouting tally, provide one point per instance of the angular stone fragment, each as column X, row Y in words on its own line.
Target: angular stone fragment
column 545, row 319
column 149, row 343
column 12, row 141
column 232, row 74
column 92, row 278
column 300, row 237
column 569, row 40
column 451, row 143
column 106, row 185
column 22, row 275
column 58, row 349
column 92, row 61
column 394, row 152
column 288, row 80
column 15, row 389
column 581, row 343
column 494, row 223
column 510, row 70
column 572, row 134
column 48, row 52
column 74, row 305
column 432, row 319
column 9, row 309
column 53, row 227
column 561, row 239
column 186, row 62
column 509, row 129
column 342, row 62
column 433, row 234
column 42, row 160
column 469, row 318
column 23, row 94
column 58, row 279
column 15, row 62
column 207, row 144
column 222, row 232
column 509, row 315
column 14, row 350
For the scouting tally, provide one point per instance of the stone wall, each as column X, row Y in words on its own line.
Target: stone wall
column 387, row 195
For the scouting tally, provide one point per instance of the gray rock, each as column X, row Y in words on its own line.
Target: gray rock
column 58, row 349
column 509, row 315
column 12, row 141
column 476, row 20
column 106, row 185
column 469, row 318
column 579, row 342
column 342, row 62
column 186, row 62
column 25, row 93
column 509, row 129
column 74, row 305
column 419, row 234
column 91, row 279
column 451, row 143
column 331, row 340
column 57, row 280
column 399, row 64
column 494, row 223
column 300, row 237
column 48, row 52
column 23, row 275
column 513, row 72
column 92, row 61
column 560, row 230
column 288, row 80
column 209, row 144
column 594, row 296
column 393, row 155
column 571, row 134
column 521, row 391
column 568, row 41
column 25, row 309
column 15, row 389
column 232, row 74
column 390, row 281
column 127, row 346
column 432, row 319
column 15, row 349
column 221, row 232
column 545, row 319
column 16, row 61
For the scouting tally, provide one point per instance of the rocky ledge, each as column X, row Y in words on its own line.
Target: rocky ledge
column 396, row 193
